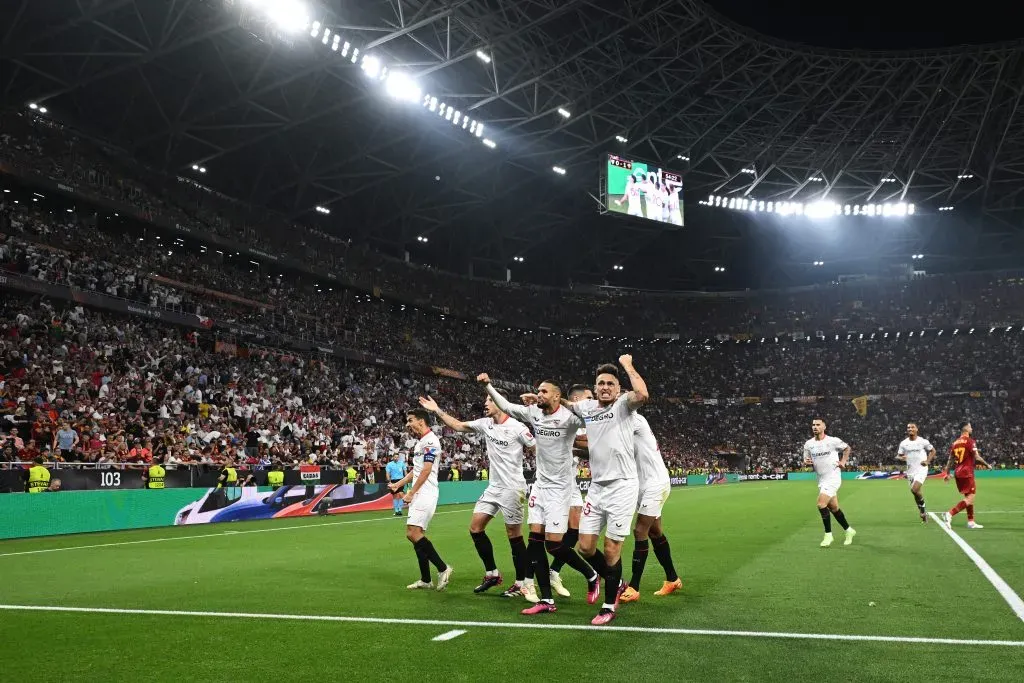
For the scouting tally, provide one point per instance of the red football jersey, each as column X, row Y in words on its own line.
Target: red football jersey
column 964, row 451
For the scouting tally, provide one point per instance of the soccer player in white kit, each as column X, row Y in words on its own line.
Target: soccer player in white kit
column 554, row 429
column 506, row 439
column 632, row 197
column 614, row 487
column 675, row 215
column 823, row 452
column 577, row 393
column 422, row 499
column 655, row 488
column 918, row 453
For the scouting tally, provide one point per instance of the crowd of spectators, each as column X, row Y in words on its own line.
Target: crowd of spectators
column 127, row 390
column 38, row 145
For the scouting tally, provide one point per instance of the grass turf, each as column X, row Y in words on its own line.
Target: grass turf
column 748, row 554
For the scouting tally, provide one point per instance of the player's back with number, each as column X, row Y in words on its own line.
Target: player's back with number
column 964, row 451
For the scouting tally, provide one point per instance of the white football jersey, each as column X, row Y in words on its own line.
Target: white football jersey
column 505, row 443
column 916, row 451
column 554, row 434
column 825, row 453
column 633, row 196
column 427, row 449
column 610, row 438
column 650, row 466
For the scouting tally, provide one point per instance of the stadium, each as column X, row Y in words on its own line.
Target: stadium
column 244, row 243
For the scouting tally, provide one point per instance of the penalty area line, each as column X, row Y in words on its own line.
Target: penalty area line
column 219, row 534
column 533, row 625
column 1008, row 594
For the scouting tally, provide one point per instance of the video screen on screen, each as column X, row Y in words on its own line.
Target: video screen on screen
column 642, row 189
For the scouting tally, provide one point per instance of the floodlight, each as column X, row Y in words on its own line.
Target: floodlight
column 290, row 16
column 558, row 169
column 371, row 66
column 402, row 87
column 564, row 113
column 483, row 56
column 490, row 143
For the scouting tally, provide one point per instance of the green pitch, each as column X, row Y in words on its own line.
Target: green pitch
column 748, row 555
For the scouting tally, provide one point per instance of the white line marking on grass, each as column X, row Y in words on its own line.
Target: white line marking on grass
column 455, row 633
column 532, row 625
column 220, row 534
column 1008, row 594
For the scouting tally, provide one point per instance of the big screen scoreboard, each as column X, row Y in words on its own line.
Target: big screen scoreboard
column 643, row 189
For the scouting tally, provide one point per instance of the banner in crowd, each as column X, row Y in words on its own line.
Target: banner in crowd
column 861, row 404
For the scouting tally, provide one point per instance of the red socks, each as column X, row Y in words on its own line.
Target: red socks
column 970, row 513
column 960, row 507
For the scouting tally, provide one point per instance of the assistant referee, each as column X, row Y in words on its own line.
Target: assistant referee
column 396, row 472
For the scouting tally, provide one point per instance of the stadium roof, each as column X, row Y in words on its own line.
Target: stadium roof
column 281, row 120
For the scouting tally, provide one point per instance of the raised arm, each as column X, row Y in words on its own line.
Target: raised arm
column 430, row 405
column 638, row 396
column 515, row 410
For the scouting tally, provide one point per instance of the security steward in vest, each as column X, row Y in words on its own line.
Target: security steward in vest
column 275, row 477
column 228, row 475
column 37, row 479
column 155, row 475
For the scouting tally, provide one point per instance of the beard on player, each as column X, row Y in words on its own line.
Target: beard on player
column 549, row 396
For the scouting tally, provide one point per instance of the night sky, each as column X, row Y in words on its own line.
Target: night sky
column 878, row 25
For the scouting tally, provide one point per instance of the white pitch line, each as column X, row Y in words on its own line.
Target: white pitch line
column 532, row 625
column 220, row 534
column 449, row 635
column 1008, row 594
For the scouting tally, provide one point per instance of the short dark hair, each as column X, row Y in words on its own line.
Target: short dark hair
column 820, row 419
column 608, row 369
column 579, row 388
column 419, row 413
column 553, row 383
column 963, row 425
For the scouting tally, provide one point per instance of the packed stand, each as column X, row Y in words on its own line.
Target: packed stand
column 966, row 300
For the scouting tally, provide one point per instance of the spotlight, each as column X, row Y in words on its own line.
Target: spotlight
column 402, row 87
column 371, row 66
column 558, row 169
column 621, row 139
column 483, row 56
column 490, row 143
column 563, row 112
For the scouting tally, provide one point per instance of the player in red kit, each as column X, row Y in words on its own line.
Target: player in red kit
column 964, row 454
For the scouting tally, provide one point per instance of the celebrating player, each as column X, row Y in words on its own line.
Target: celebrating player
column 422, row 499
column 578, row 392
column 632, row 196
column 964, row 452
column 614, row 488
column 675, row 215
column 823, row 452
column 554, row 428
column 918, row 453
column 655, row 487
column 506, row 440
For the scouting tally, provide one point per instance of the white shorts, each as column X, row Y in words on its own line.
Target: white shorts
column 916, row 476
column 635, row 212
column 610, row 508
column 653, row 499
column 509, row 501
column 550, row 508
column 829, row 485
column 575, row 497
column 421, row 510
